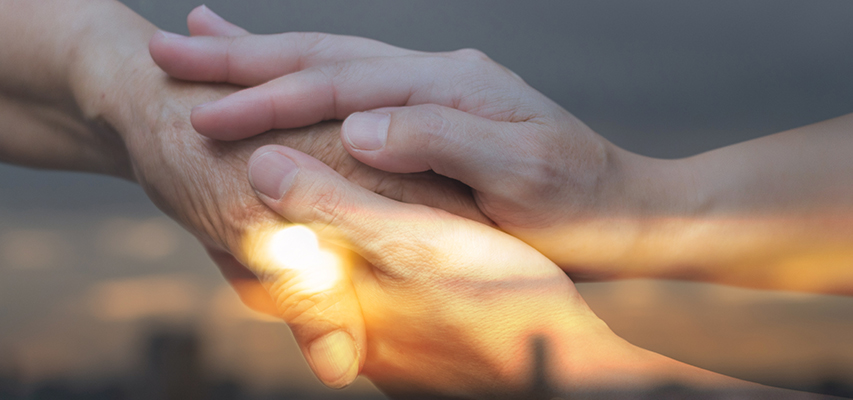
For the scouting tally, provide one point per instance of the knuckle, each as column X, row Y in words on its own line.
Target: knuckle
column 324, row 204
column 539, row 174
column 469, row 54
column 412, row 255
column 311, row 42
column 307, row 44
column 480, row 68
column 434, row 129
column 299, row 306
column 392, row 186
column 332, row 75
column 310, row 39
column 471, row 63
column 231, row 47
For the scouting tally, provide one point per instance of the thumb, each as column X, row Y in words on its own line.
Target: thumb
column 484, row 154
column 303, row 190
column 313, row 295
column 321, row 307
column 311, row 290
column 317, row 298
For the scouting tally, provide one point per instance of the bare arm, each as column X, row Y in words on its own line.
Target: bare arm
column 200, row 183
column 46, row 120
column 81, row 92
column 486, row 316
column 774, row 212
column 770, row 213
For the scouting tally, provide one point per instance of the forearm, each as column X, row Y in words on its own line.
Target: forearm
column 60, row 53
column 775, row 212
column 790, row 197
column 641, row 374
column 616, row 369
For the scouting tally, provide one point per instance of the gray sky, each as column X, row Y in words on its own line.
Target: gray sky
column 663, row 78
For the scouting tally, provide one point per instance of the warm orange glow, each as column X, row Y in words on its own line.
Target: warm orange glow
column 297, row 249
column 808, row 252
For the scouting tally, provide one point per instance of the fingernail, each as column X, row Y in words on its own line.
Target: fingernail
column 170, row 36
column 212, row 14
column 272, row 173
column 367, row 130
column 334, row 358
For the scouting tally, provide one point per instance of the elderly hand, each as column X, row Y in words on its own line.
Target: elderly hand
column 536, row 171
column 201, row 183
column 760, row 214
column 110, row 109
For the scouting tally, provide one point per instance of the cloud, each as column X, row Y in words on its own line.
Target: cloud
column 136, row 299
column 35, row 249
column 148, row 240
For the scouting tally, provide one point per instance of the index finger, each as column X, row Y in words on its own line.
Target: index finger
column 336, row 90
column 250, row 60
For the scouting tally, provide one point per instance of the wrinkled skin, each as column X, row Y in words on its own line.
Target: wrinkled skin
column 202, row 184
column 537, row 171
column 451, row 306
column 141, row 131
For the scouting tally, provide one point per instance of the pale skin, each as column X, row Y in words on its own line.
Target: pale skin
column 773, row 213
column 84, row 94
column 485, row 154
column 426, row 304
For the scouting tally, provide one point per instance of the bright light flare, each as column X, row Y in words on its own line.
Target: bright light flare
column 297, row 249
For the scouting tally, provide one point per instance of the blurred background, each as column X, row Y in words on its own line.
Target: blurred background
column 101, row 296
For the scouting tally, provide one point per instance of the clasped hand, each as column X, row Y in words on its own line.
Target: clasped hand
column 450, row 305
column 461, row 197
column 447, row 290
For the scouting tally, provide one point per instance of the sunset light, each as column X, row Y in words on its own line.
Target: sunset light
column 296, row 248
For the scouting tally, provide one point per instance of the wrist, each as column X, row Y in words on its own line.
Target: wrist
column 599, row 362
column 44, row 122
column 109, row 57
column 660, row 205
column 626, row 227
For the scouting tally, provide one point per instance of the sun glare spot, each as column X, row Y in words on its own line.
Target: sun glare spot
column 296, row 248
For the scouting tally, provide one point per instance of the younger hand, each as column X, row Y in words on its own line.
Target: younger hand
column 454, row 308
column 537, row 171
